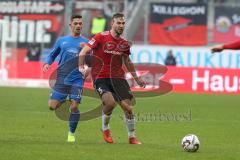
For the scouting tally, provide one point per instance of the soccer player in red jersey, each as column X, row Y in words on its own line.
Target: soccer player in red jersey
column 110, row 52
column 220, row 48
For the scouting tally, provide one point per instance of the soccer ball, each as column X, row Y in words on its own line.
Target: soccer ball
column 190, row 143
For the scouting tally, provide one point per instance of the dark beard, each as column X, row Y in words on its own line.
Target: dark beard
column 118, row 34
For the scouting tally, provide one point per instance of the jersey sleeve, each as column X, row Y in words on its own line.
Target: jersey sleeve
column 54, row 53
column 234, row 45
column 93, row 43
column 128, row 52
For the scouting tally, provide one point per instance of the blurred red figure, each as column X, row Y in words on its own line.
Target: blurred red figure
column 220, row 48
column 110, row 53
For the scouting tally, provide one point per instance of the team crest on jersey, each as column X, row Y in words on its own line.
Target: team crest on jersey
column 110, row 46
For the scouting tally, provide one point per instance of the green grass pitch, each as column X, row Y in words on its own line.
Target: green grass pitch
column 28, row 130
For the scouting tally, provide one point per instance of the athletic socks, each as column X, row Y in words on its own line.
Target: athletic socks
column 73, row 121
column 105, row 121
column 130, row 124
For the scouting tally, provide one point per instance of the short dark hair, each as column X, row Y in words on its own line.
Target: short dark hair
column 75, row 16
column 117, row 15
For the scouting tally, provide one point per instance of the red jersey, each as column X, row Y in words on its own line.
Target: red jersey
column 108, row 52
column 234, row 45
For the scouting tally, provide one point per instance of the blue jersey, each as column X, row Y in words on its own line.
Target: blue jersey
column 68, row 49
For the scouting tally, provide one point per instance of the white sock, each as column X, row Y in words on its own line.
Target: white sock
column 130, row 123
column 105, row 121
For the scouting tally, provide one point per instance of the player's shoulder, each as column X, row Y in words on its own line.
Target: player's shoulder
column 105, row 33
column 60, row 40
column 123, row 39
column 100, row 36
column 84, row 39
column 63, row 38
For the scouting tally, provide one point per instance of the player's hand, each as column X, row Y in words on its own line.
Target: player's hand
column 88, row 71
column 141, row 82
column 83, row 69
column 45, row 67
column 218, row 48
column 83, row 44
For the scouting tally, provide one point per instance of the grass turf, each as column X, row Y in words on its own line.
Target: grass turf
column 30, row 131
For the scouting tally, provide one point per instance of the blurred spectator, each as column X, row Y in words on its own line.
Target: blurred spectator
column 220, row 1
column 98, row 24
column 170, row 59
column 34, row 52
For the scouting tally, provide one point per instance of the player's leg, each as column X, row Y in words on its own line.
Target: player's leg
column 54, row 104
column 127, row 107
column 123, row 92
column 73, row 120
column 56, row 99
column 108, row 106
column 75, row 98
column 103, row 88
column 57, row 96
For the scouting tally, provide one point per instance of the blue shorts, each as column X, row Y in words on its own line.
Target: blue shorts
column 61, row 91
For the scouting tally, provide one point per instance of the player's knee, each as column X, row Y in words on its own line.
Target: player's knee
column 108, row 100
column 108, row 107
column 110, row 103
column 74, row 106
column 53, row 105
column 107, row 111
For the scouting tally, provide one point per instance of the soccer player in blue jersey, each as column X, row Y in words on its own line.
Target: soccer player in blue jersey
column 69, row 81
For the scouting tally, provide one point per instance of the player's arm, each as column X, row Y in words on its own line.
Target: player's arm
column 52, row 56
column 131, row 68
column 82, row 56
column 220, row 48
column 87, row 48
